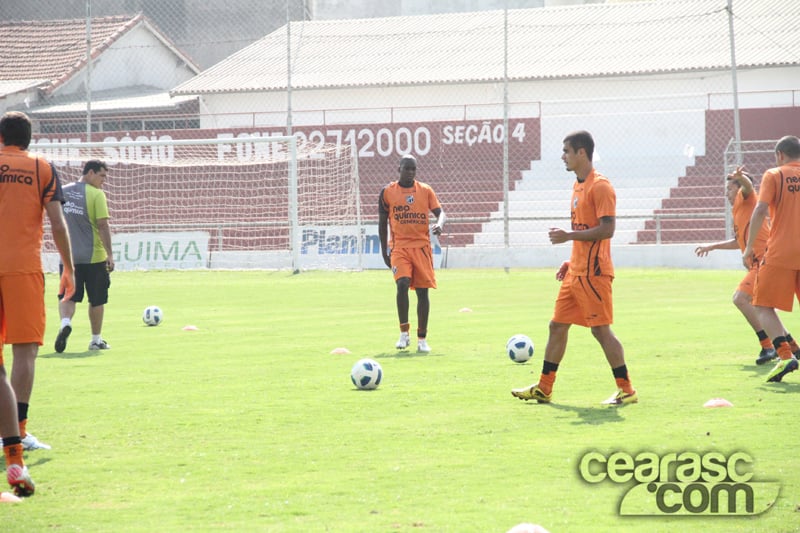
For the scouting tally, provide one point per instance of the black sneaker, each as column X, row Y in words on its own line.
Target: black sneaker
column 61, row 339
column 766, row 355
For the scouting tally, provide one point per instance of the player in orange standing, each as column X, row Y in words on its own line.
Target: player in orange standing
column 778, row 278
column 585, row 296
column 405, row 205
column 29, row 185
column 743, row 199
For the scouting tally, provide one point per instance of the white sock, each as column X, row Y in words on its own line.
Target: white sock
column 97, row 338
column 65, row 322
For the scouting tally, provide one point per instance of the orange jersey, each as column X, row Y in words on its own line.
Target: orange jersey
column 408, row 210
column 592, row 199
column 742, row 211
column 780, row 189
column 27, row 184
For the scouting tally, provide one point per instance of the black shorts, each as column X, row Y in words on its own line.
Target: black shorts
column 95, row 278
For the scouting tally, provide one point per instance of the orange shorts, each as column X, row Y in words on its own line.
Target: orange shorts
column 22, row 314
column 585, row 301
column 748, row 283
column 776, row 287
column 414, row 263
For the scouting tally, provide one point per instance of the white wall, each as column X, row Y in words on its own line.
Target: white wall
column 122, row 66
column 630, row 95
column 665, row 256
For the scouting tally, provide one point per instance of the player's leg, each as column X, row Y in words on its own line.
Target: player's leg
column 793, row 346
column 97, row 284
column 66, row 308
column 615, row 355
column 775, row 289
column 401, row 268
column 423, row 311
column 96, row 321
column 22, row 378
column 24, row 331
column 792, row 342
column 423, row 279
column 16, row 471
column 401, row 299
column 743, row 300
column 596, row 299
column 566, row 312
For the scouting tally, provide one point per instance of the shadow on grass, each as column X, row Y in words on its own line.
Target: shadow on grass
column 781, row 387
column 757, row 370
column 74, row 355
column 592, row 416
column 405, row 354
column 38, row 462
column 761, row 372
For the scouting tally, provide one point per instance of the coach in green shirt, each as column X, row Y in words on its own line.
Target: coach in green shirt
column 86, row 211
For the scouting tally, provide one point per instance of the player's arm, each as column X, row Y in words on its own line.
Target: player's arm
column 438, row 226
column 104, row 229
column 744, row 180
column 58, row 226
column 383, row 229
column 702, row 251
column 604, row 230
column 756, row 220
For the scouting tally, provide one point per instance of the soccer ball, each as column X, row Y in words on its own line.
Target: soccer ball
column 519, row 348
column 366, row 374
column 152, row 315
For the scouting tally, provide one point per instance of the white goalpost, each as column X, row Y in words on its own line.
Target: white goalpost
column 224, row 203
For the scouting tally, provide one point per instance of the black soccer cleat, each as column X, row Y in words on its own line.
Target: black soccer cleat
column 61, row 339
column 766, row 355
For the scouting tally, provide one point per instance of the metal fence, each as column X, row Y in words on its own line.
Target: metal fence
column 490, row 146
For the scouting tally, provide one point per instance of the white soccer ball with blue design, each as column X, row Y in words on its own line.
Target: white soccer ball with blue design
column 152, row 315
column 519, row 348
column 366, row 374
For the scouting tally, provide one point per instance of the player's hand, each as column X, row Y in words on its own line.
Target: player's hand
column 388, row 259
column 436, row 230
column 66, row 285
column 557, row 235
column 747, row 258
column 739, row 173
column 702, row 251
column 562, row 271
column 110, row 264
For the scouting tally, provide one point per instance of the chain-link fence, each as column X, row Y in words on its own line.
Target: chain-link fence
column 482, row 99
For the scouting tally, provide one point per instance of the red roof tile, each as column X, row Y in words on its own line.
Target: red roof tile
column 55, row 50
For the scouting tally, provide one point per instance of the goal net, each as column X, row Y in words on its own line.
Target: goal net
column 224, row 203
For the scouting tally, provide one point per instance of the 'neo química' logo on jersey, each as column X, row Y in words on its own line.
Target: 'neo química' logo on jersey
column 686, row 483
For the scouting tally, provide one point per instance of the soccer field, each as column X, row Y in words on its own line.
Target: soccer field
column 250, row 423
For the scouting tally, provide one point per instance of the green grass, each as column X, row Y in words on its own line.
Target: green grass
column 251, row 424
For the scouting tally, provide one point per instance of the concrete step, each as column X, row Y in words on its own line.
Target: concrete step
column 709, row 203
column 692, row 191
column 681, row 235
column 687, row 223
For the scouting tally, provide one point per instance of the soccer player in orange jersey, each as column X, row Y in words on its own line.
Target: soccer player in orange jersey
column 743, row 199
column 404, row 206
column 778, row 278
column 29, row 186
column 585, row 294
